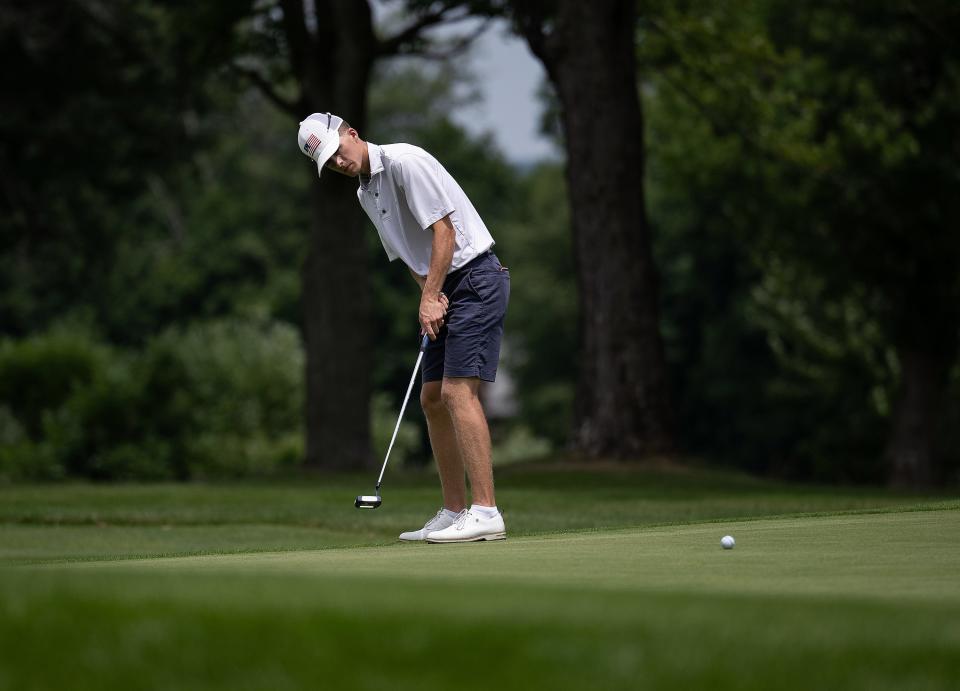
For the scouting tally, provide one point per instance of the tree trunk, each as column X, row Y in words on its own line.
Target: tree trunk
column 334, row 68
column 911, row 448
column 622, row 406
column 337, row 309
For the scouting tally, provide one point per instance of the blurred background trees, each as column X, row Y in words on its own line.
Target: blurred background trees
column 162, row 236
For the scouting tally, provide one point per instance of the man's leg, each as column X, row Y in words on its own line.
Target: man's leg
column 443, row 439
column 460, row 397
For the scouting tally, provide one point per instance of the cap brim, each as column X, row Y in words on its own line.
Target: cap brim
column 329, row 150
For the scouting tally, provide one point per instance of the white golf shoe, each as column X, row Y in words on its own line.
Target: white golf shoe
column 470, row 527
column 439, row 522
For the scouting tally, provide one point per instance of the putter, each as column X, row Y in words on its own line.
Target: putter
column 372, row 501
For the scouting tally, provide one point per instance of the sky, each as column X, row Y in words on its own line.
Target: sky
column 508, row 76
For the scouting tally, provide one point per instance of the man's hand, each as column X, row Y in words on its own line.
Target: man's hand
column 433, row 304
column 433, row 310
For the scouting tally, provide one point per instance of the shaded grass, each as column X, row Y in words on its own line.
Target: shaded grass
column 23, row 544
column 239, row 632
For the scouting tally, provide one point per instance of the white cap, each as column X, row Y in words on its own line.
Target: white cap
column 319, row 137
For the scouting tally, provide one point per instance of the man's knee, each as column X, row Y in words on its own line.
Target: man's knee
column 430, row 397
column 457, row 392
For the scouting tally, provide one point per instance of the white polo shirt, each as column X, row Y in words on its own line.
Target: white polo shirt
column 406, row 192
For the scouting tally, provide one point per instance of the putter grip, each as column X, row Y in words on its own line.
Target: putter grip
column 424, row 342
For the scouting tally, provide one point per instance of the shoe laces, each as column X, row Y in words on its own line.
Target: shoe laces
column 461, row 518
column 433, row 521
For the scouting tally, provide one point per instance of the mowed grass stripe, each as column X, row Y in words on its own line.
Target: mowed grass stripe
column 114, row 629
column 913, row 555
column 536, row 502
column 22, row 544
column 34, row 544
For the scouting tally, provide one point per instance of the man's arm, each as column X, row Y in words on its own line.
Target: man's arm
column 418, row 278
column 433, row 305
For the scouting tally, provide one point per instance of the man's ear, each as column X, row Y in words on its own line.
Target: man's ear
column 353, row 133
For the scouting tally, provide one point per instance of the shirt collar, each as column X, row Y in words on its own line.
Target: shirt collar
column 376, row 164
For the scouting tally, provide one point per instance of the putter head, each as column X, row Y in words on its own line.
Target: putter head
column 367, row 501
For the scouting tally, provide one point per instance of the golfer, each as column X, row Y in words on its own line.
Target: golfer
column 424, row 218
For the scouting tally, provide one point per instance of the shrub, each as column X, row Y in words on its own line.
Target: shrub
column 383, row 420
column 214, row 399
column 231, row 393
column 40, row 373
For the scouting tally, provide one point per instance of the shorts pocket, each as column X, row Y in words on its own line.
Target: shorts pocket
column 492, row 287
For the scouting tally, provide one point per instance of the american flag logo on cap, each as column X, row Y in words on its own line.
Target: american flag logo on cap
column 312, row 143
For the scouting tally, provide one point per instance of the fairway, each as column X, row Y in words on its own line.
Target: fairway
column 848, row 598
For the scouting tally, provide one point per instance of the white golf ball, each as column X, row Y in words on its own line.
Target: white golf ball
column 727, row 542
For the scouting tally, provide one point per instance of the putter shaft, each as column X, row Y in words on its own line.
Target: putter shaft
column 413, row 377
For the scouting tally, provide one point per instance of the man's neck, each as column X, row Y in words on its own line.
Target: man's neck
column 365, row 161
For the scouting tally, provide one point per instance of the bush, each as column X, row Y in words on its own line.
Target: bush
column 39, row 374
column 215, row 399
column 38, row 378
column 22, row 458
column 383, row 420
column 230, row 393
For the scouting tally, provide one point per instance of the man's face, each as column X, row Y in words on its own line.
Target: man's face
column 348, row 159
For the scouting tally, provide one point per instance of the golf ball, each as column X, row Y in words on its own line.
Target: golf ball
column 727, row 542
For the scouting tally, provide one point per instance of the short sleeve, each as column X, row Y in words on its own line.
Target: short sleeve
column 422, row 184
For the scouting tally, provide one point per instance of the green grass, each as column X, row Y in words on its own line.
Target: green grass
column 610, row 579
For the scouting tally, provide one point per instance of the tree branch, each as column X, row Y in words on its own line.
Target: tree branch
column 457, row 47
column 403, row 41
column 295, row 28
column 528, row 19
column 266, row 88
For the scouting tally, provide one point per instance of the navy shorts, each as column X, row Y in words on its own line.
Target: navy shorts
column 469, row 341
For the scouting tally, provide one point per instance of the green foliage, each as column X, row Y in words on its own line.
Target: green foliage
column 215, row 399
column 39, row 374
column 542, row 321
column 796, row 185
column 833, row 363
column 383, row 420
column 20, row 457
column 236, row 388
column 519, row 444
column 219, row 238
column 84, row 135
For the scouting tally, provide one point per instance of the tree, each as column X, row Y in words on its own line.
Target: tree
column 835, row 125
column 622, row 407
column 81, row 138
column 888, row 80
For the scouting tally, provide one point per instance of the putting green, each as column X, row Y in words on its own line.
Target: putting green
column 868, row 555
